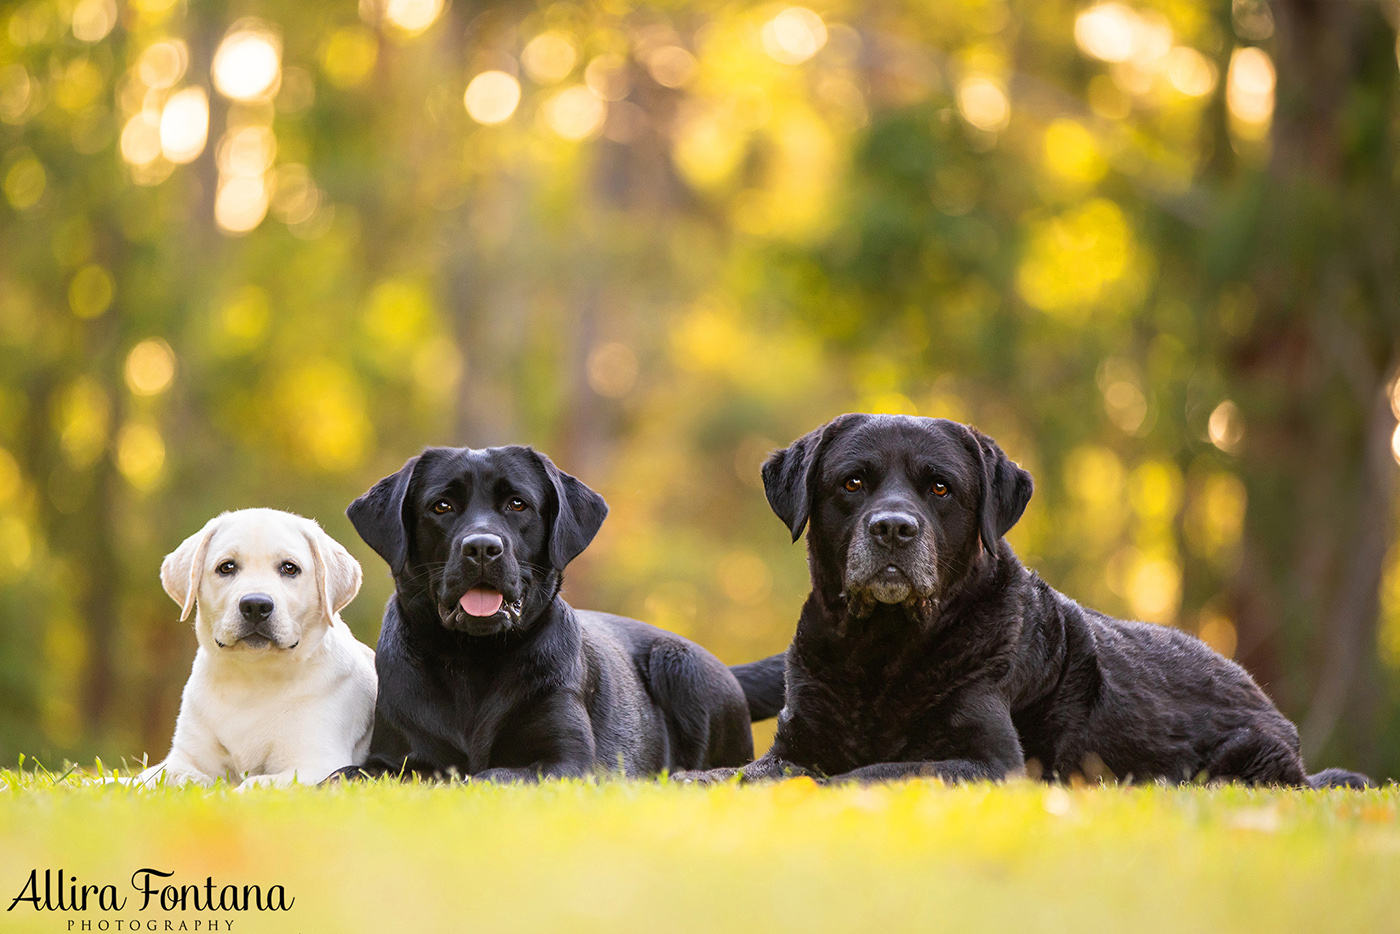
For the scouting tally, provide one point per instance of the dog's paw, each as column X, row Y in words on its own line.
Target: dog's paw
column 705, row 776
column 350, row 773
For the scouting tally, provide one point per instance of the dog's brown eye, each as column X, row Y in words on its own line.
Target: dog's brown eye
column 441, row 507
column 940, row 488
column 515, row 504
column 226, row 568
column 855, row 485
column 288, row 569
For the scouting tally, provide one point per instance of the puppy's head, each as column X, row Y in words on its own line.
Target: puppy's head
column 262, row 580
column 483, row 535
column 900, row 507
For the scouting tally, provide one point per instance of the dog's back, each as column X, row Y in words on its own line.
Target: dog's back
column 703, row 716
column 1148, row 701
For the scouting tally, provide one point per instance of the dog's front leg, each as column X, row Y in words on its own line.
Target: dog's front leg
column 555, row 735
column 767, row 768
column 405, row 769
column 275, row 780
column 174, row 771
column 537, row 773
column 304, row 774
column 977, row 743
column 949, row 770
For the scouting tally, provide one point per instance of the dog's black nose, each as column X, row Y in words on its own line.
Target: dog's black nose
column 482, row 548
column 256, row 607
column 894, row 529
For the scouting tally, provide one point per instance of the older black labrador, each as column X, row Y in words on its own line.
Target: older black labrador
column 926, row 648
column 485, row 671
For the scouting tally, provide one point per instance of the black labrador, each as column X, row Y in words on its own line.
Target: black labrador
column 485, row 671
column 927, row 649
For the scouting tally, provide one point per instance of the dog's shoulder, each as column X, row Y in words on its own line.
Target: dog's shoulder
column 631, row 634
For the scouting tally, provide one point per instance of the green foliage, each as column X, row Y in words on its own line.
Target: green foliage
column 696, row 232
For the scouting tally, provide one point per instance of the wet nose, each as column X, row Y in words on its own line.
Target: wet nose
column 256, row 607
column 482, row 548
column 894, row 529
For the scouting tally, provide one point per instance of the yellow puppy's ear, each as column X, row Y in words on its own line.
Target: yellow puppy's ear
column 179, row 572
column 338, row 574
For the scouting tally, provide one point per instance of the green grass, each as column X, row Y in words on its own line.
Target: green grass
column 576, row 856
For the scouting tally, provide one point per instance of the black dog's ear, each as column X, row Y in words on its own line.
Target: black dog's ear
column 378, row 516
column 788, row 475
column 1006, row 489
column 578, row 516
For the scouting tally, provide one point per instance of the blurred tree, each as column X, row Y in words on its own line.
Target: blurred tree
column 260, row 253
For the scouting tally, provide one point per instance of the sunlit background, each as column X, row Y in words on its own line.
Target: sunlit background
column 257, row 253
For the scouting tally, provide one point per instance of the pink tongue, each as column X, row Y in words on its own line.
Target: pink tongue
column 480, row 601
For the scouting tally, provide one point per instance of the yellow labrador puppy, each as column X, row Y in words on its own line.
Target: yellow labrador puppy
column 281, row 692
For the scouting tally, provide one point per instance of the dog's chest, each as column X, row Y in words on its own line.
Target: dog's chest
column 261, row 741
column 462, row 723
column 858, row 710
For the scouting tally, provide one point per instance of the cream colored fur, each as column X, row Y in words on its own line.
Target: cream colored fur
column 301, row 706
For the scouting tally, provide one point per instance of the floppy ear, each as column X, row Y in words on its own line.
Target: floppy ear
column 788, row 474
column 580, row 514
column 378, row 516
column 338, row 574
column 179, row 572
column 1006, row 489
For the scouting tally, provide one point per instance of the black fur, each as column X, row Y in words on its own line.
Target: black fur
column 926, row 648
column 762, row 682
column 538, row 689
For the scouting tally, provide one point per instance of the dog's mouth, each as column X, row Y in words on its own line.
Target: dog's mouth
column 889, row 584
column 256, row 641
column 482, row 610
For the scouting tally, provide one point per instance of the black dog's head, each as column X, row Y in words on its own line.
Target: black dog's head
column 900, row 507
column 485, row 534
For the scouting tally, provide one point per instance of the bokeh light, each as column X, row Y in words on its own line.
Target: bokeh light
column 492, row 97
column 184, row 125
column 549, row 57
column 16, row 91
column 11, row 477
column 794, row 35
column 140, row 139
column 248, row 63
column 295, row 196
column 744, row 577
column 412, row 16
column 25, row 182
column 348, row 55
column 1249, row 90
column 1154, row 589
column 982, row 101
column 247, row 152
column 575, row 113
column 1226, row 426
column 612, row 370
column 671, row 66
column 93, row 19
column 1107, row 32
column 1072, row 154
column 1218, row 631
column 241, row 204
column 90, row 292
column 606, row 76
column 1190, row 72
column 150, row 367
column 140, row 454
column 163, row 63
